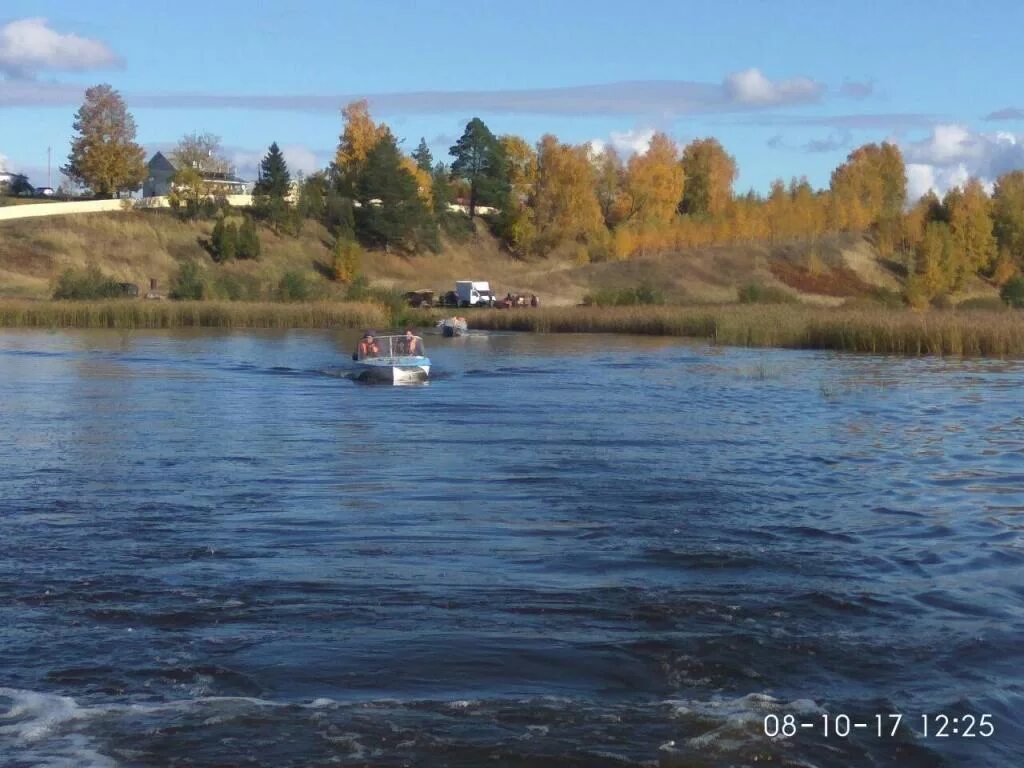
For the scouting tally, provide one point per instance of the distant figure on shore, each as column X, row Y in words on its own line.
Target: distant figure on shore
column 534, row 301
column 367, row 347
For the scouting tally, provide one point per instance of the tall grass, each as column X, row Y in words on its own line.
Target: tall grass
column 880, row 331
column 988, row 333
column 127, row 313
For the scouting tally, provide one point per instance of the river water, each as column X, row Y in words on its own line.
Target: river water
column 564, row 550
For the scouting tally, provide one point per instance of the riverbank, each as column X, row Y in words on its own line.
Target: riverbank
column 986, row 333
column 134, row 314
column 970, row 333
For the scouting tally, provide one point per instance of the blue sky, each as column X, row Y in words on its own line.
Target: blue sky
column 789, row 88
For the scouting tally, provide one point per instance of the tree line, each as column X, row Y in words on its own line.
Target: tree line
column 594, row 205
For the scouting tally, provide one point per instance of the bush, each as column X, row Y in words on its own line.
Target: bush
column 755, row 293
column 236, row 287
column 347, row 258
column 293, row 287
column 642, row 294
column 188, row 284
column 1013, row 292
column 989, row 303
column 86, row 284
column 248, row 240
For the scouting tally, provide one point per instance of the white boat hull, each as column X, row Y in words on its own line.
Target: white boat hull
column 382, row 372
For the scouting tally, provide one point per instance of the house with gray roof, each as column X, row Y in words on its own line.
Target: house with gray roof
column 161, row 169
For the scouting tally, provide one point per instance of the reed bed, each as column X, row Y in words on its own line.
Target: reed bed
column 129, row 314
column 966, row 333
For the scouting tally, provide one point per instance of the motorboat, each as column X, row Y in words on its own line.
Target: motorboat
column 392, row 359
column 453, row 326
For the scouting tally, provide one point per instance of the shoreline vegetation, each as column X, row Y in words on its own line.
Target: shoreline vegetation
column 875, row 330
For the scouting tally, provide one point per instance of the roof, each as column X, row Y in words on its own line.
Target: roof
column 159, row 162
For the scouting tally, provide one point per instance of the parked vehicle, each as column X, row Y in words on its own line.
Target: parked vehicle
column 420, row 298
column 474, row 293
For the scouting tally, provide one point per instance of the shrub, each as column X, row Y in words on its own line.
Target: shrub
column 346, row 260
column 642, row 294
column 248, row 240
column 224, row 241
column 1013, row 292
column 989, row 303
column 236, row 287
column 293, row 287
column 86, row 284
column 755, row 293
column 188, row 284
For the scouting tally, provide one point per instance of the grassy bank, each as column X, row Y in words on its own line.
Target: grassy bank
column 881, row 331
column 984, row 333
column 185, row 314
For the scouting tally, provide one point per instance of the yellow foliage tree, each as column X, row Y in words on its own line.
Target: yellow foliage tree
column 710, row 172
column 654, row 183
column 869, row 187
column 347, row 260
column 970, row 221
column 565, row 204
column 104, row 156
column 359, row 136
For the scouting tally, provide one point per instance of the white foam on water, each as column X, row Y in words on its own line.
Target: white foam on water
column 33, row 716
column 741, row 719
column 40, row 726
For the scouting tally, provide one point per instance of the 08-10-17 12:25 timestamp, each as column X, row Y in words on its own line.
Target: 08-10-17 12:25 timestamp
column 937, row 726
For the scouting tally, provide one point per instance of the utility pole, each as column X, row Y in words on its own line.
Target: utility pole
column 49, row 181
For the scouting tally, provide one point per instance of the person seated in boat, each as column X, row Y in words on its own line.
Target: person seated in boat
column 367, row 347
column 411, row 344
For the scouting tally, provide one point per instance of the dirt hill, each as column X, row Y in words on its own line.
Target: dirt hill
column 134, row 247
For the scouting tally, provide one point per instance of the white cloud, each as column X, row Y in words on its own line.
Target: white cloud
column 3, row 162
column 750, row 87
column 634, row 142
column 300, row 159
column 28, row 46
column 953, row 153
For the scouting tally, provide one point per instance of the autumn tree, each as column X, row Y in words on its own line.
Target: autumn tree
column 104, row 156
column 346, row 258
column 654, row 182
column 934, row 266
column 565, row 203
column 201, row 151
column 609, row 178
column 359, row 136
column 870, row 187
column 480, row 161
column 1008, row 216
column 270, row 195
column 517, row 223
column 709, row 172
column 968, row 211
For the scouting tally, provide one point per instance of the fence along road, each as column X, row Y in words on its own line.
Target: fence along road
column 31, row 211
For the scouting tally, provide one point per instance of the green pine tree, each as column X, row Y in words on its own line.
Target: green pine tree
column 422, row 156
column 480, row 160
column 270, row 196
column 391, row 212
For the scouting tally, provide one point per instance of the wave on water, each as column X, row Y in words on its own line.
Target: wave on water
column 50, row 729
